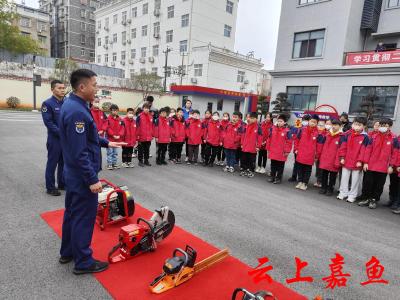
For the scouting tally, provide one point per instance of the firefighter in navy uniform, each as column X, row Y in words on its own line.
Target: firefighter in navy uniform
column 50, row 114
column 81, row 144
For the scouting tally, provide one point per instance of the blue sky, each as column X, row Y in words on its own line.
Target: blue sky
column 260, row 18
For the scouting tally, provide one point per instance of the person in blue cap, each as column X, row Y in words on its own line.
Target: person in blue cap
column 50, row 114
column 80, row 144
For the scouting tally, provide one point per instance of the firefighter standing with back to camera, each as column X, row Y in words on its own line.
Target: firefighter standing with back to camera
column 50, row 114
column 81, row 143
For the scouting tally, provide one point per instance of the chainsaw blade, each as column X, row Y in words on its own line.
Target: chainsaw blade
column 164, row 228
column 209, row 261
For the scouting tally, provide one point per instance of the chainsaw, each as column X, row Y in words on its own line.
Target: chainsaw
column 261, row 295
column 181, row 268
column 143, row 236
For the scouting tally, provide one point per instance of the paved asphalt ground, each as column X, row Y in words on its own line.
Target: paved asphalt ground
column 250, row 216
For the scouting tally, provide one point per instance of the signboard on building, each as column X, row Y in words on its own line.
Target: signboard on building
column 372, row 58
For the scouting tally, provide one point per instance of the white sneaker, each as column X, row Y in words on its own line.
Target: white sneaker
column 340, row 197
column 299, row 185
column 258, row 170
column 134, row 155
column 186, row 159
column 262, row 171
column 303, row 187
column 351, row 200
column 131, row 165
column 231, row 169
column 109, row 167
column 124, row 165
column 226, row 169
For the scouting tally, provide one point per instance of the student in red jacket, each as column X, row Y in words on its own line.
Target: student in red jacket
column 279, row 144
column 162, row 134
column 204, row 122
column 328, row 156
column 99, row 117
column 178, row 136
column 129, row 138
column 379, row 159
column 226, row 118
column 318, row 173
column 115, row 133
column 212, row 139
column 171, row 114
column 144, row 123
column 194, row 133
column 305, row 148
column 266, row 125
column 351, row 155
column 231, row 141
column 251, row 142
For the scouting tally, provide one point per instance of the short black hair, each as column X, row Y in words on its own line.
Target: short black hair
column 306, row 117
column 196, row 111
column 240, row 114
column 361, row 120
column 344, row 114
column 188, row 100
column 282, row 117
column 386, row 121
column 253, row 115
column 78, row 75
column 54, row 82
column 150, row 99
column 164, row 109
column 236, row 113
column 179, row 109
column 216, row 113
column 314, row 117
column 336, row 122
column 208, row 111
column 130, row 109
column 146, row 105
column 114, row 107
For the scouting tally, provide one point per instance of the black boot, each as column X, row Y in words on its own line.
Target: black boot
column 322, row 191
column 146, row 163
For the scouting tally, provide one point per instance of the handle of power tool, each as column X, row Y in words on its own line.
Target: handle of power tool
column 182, row 252
column 148, row 224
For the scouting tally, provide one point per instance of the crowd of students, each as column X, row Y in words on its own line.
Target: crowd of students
column 338, row 149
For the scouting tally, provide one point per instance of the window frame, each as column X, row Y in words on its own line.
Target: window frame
column 198, row 70
column 303, row 108
column 227, row 28
column 308, row 44
column 229, row 7
column 169, row 38
column 184, row 20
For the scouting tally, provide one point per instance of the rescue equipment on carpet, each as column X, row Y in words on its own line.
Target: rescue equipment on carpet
column 260, row 295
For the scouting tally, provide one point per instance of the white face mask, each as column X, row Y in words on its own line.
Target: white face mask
column 96, row 104
column 196, row 117
column 215, row 118
column 383, row 129
column 171, row 115
column 304, row 123
column 130, row 116
column 226, row 118
column 356, row 127
column 328, row 127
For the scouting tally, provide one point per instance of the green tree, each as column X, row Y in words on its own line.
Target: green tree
column 147, row 83
column 281, row 105
column 63, row 69
column 371, row 108
column 10, row 37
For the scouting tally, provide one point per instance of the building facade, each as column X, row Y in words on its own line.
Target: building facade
column 339, row 52
column 35, row 24
column 72, row 28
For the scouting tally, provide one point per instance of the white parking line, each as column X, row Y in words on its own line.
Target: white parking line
column 21, row 120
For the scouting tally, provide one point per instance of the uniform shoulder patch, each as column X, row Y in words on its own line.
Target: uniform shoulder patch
column 44, row 108
column 80, row 127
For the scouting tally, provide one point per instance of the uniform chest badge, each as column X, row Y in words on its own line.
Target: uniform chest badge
column 57, row 108
column 255, row 131
column 337, row 143
column 199, row 125
column 314, row 138
column 235, row 129
column 360, row 142
column 282, row 134
column 80, row 127
column 44, row 108
column 388, row 143
column 134, row 125
column 217, row 126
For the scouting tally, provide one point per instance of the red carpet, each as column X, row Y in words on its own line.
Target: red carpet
column 130, row 279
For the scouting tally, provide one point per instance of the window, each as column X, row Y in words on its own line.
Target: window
column 237, row 106
column 170, row 34
column 83, row 13
column 123, row 55
column 393, row 3
column 302, row 97
column 106, row 58
column 98, row 41
column 198, row 70
column 183, row 46
column 210, row 106
column 144, row 30
column 240, row 76
column 123, row 36
column 156, row 28
column 114, row 56
column 91, row 54
column 133, row 53
column 143, row 71
column 115, row 38
column 145, row 9
column 133, row 33
column 229, row 7
column 106, row 40
column 308, row 44
column 134, row 12
column 25, row 22
column 115, row 19
column 41, row 26
column 220, row 104
column 42, row 39
column 132, row 73
column 227, row 31
column 124, row 17
column 157, row 4
column 301, row 2
column 170, row 12
column 185, row 20
column 154, row 70
column 156, row 50
column 384, row 97
column 82, row 52
column 91, row 16
column 99, row 24
column 99, row 59
column 83, row 39
column 143, row 51
column 107, row 21
column 83, row 26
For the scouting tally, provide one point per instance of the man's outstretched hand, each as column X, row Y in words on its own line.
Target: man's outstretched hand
column 116, row 144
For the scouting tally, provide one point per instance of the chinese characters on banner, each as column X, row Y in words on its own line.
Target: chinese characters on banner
column 337, row 277
column 373, row 58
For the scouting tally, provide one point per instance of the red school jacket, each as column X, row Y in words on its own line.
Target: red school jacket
column 130, row 132
column 115, row 127
column 212, row 133
column 380, row 152
column 279, row 143
column 177, row 125
column 305, row 143
column 352, row 148
column 224, row 123
column 144, row 124
column 265, row 127
column 231, row 136
column 99, row 118
column 162, row 130
column 328, row 152
column 251, row 137
column 194, row 131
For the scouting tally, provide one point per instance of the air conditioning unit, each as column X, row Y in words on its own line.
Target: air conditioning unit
column 156, row 35
column 106, row 28
column 113, row 63
column 151, row 59
column 130, row 61
column 105, row 46
column 123, row 22
column 157, row 12
column 129, row 21
column 246, row 82
column 122, row 62
column 142, row 60
column 193, row 80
